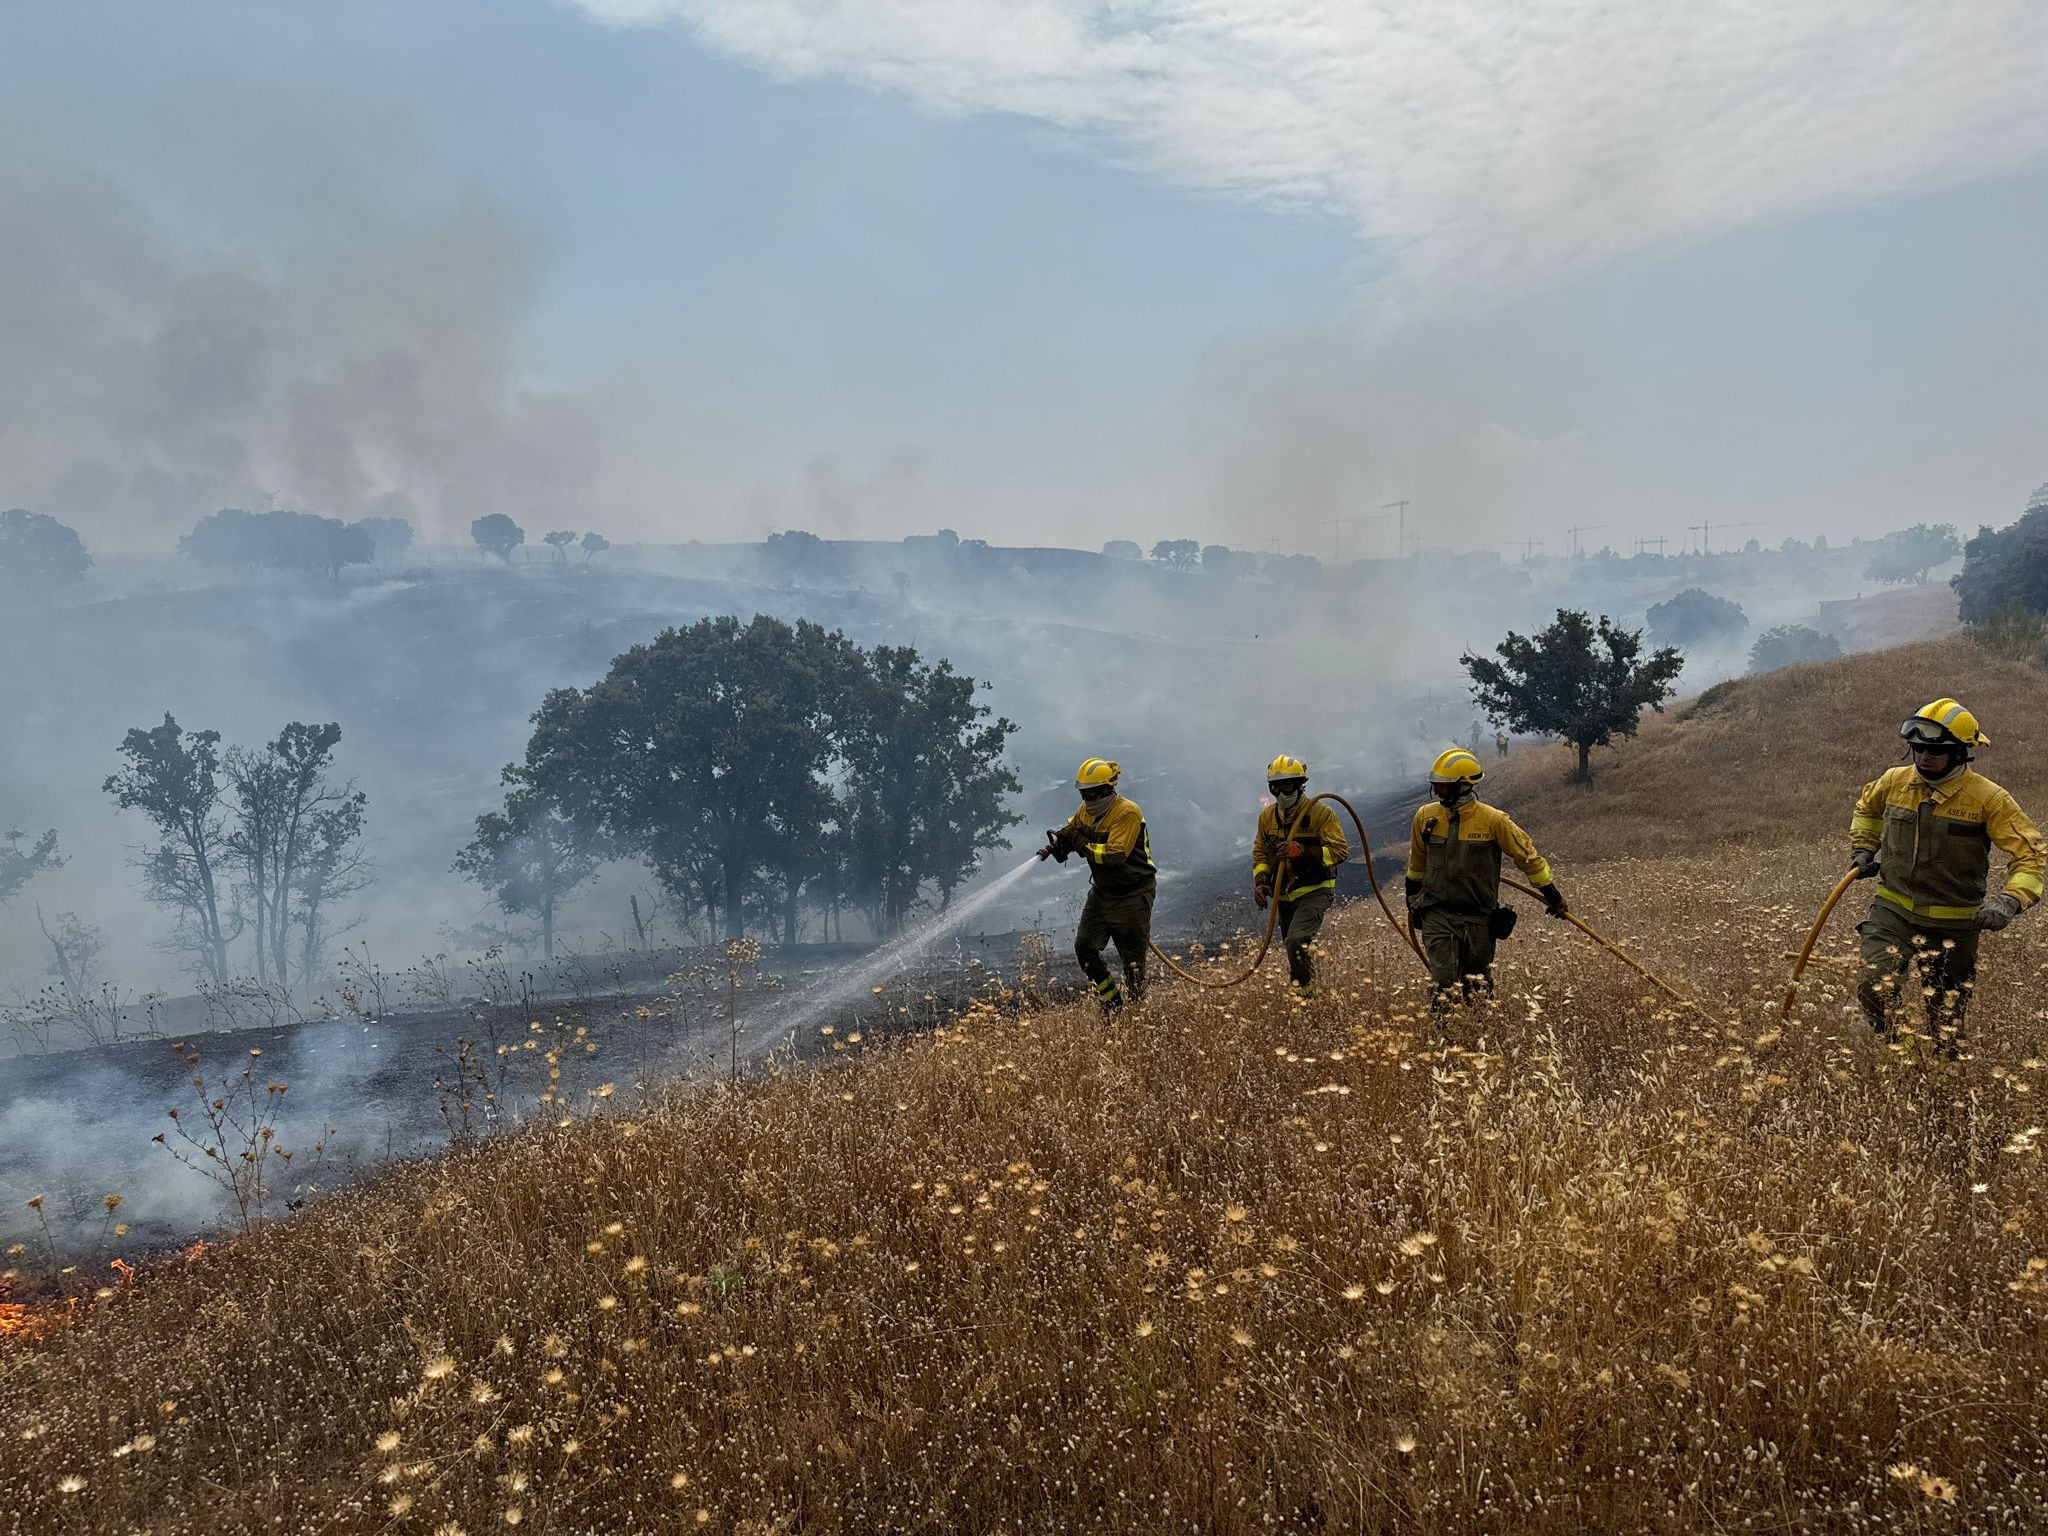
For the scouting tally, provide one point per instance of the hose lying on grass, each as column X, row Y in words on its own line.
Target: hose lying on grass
column 1827, row 910
column 1615, row 950
column 1273, row 906
column 1407, row 931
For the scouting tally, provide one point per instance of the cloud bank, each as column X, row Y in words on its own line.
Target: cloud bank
column 1481, row 147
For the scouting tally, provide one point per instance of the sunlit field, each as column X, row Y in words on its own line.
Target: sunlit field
column 1234, row 1264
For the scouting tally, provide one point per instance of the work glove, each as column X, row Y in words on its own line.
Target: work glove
column 1294, row 850
column 1261, row 894
column 1864, row 862
column 1413, row 891
column 1553, row 900
column 1058, row 844
column 1997, row 912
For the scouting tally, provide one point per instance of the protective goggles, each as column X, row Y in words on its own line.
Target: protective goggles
column 1097, row 791
column 1280, row 787
column 1926, row 736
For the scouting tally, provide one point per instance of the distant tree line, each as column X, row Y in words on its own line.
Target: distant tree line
column 756, row 768
column 497, row 535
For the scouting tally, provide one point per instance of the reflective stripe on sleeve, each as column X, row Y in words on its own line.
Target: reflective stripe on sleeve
column 2026, row 885
column 1866, row 826
column 1541, row 873
column 1261, row 869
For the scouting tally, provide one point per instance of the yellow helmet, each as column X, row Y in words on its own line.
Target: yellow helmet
column 1096, row 772
column 1944, row 720
column 1456, row 766
column 1285, row 767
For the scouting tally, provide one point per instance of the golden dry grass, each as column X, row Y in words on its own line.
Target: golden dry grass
column 1777, row 758
column 1237, row 1265
column 1234, row 1266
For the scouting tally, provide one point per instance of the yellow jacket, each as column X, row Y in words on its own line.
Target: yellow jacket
column 1323, row 848
column 1934, row 843
column 1118, row 846
column 1454, row 853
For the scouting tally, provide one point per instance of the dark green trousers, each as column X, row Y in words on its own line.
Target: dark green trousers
column 1459, row 947
column 1125, row 921
column 1942, row 960
column 1300, row 921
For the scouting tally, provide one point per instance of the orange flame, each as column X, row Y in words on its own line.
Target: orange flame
column 17, row 1322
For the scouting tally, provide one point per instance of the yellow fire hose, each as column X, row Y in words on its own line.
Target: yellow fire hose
column 1827, row 910
column 1273, row 905
column 1407, row 930
column 1615, row 950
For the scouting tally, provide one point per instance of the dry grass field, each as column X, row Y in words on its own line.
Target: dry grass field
column 1597, row 1262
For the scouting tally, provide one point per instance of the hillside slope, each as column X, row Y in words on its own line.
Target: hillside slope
column 1234, row 1265
column 1775, row 759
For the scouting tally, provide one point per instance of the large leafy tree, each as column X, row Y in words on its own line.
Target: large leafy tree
column 704, row 751
column 1582, row 682
column 1177, row 554
column 2007, row 568
column 1909, row 554
column 531, row 854
column 1696, row 617
column 924, row 782
column 173, row 777
column 284, row 541
column 496, row 534
column 37, row 555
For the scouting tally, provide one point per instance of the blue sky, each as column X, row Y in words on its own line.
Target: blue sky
column 728, row 268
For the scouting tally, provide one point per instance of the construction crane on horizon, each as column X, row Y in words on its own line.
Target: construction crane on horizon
column 1706, row 532
column 1400, row 508
column 1642, row 545
column 1336, row 525
column 1576, row 547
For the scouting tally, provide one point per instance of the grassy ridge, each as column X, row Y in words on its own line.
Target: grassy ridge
column 1778, row 758
column 1236, row 1265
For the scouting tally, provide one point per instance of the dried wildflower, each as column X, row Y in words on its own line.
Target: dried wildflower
column 387, row 1442
column 438, row 1367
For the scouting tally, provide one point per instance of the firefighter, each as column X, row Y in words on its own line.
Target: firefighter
column 1454, row 849
column 1924, row 830
column 1500, row 743
column 1109, row 831
column 1306, row 842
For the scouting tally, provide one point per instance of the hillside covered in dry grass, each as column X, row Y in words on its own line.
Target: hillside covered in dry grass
column 1597, row 1262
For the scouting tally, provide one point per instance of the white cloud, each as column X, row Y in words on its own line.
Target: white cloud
column 1480, row 146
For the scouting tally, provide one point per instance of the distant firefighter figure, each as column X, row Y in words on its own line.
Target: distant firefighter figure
column 1109, row 831
column 1454, row 851
column 1308, row 844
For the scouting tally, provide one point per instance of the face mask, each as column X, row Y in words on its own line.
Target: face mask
column 1095, row 808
